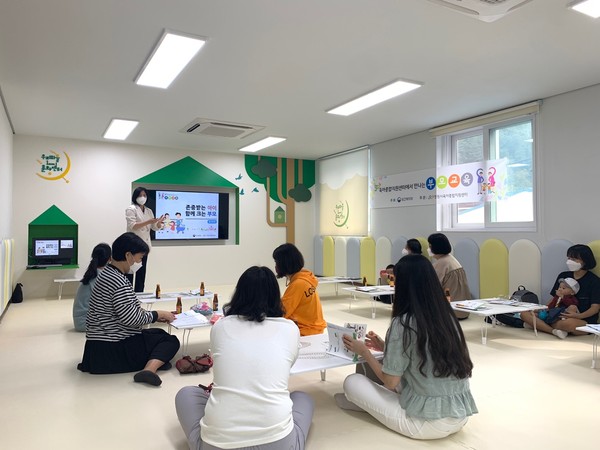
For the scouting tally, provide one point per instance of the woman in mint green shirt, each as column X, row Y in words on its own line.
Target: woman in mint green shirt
column 422, row 388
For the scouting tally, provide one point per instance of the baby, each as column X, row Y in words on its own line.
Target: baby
column 563, row 301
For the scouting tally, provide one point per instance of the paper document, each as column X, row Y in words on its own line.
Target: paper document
column 367, row 288
column 472, row 305
column 189, row 318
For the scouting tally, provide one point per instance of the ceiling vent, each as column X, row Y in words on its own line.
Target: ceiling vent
column 486, row 10
column 218, row 128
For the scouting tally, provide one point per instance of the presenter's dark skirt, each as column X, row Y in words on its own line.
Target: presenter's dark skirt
column 128, row 355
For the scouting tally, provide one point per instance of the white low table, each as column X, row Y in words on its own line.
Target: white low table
column 370, row 291
column 187, row 330
column 149, row 299
column 338, row 280
column 596, row 333
column 62, row 281
column 492, row 310
column 312, row 356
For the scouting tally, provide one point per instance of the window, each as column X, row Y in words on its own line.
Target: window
column 512, row 140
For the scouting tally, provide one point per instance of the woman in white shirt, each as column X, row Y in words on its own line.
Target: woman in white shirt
column 254, row 348
column 140, row 220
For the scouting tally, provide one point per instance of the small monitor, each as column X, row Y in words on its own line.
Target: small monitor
column 46, row 248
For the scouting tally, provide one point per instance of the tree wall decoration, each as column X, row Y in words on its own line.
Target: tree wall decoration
column 286, row 181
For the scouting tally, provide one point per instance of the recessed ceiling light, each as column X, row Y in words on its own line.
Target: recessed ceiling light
column 588, row 7
column 380, row 95
column 119, row 129
column 263, row 143
column 173, row 52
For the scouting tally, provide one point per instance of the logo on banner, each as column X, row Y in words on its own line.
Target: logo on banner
column 341, row 214
column 52, row 166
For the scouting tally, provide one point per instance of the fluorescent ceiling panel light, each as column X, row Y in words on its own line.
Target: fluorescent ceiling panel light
column 375, row 97
column 169, row 58
column 263, row 143
column 119, row 129
column 587, row 7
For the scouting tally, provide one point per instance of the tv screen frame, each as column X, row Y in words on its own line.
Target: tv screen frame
column 204, row 214
column 63, row 254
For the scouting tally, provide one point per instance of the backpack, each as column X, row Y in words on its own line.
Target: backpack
column 521, row 295
column 17, row 295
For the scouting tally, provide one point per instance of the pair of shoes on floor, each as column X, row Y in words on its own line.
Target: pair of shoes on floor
column 560, row 333
column 344, row 403
column 148, row 377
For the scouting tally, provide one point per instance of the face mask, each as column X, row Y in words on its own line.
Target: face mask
column 430, row 252
column 404, row 252
column 573, row 265
column 141, row 201
column 134, row 268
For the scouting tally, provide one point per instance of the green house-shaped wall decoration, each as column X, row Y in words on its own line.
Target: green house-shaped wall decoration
column 190, row 173
column 53, row 224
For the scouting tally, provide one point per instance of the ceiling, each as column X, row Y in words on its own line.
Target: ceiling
column 67, row 67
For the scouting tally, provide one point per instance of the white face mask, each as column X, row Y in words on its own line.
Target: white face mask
column 404, row 252
column 134, row 268
column 430, row 252
column 573, row 265
column 141, row 201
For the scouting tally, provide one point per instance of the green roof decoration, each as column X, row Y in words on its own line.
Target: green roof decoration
column 186, row 172
column 52, row 216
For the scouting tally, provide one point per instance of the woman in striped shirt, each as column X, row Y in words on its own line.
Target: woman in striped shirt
column 116, row 342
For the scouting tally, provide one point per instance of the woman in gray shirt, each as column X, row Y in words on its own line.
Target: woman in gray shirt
column 422, row 388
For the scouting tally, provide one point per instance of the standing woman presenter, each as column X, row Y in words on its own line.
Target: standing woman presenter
column 140, row 220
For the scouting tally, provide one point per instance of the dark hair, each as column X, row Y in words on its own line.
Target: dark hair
column 421, row 307
column 128, row 242
column 390, row 266
column 584, row 253
column 414, row 246
column 256, row 295
column 439, row 243
column 288, row 260
column 100, row 256
column 136, row 193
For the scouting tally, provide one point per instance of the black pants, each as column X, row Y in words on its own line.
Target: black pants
column 129, row 355
column 140, row 276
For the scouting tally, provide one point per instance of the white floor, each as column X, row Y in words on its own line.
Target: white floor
column 532, row 393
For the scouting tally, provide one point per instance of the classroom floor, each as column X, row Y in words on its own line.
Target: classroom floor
column 532, row 393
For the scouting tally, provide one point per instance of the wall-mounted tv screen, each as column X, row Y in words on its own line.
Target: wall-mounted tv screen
column 190, row 215
column 53, row 250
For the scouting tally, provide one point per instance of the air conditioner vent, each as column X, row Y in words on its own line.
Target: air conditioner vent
column 486, row 10
column 219, row 128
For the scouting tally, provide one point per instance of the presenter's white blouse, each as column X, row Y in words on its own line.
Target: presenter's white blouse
column 133, row 215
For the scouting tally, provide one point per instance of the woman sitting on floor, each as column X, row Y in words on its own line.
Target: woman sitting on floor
column 249, row 405
column 100, row 257
column 116, row 342
column 422, row 388
column 580, row 260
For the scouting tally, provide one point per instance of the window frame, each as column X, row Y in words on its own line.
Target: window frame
column 447, row 215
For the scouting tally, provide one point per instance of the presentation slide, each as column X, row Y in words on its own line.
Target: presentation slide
column 46, row 248
column 188, row 215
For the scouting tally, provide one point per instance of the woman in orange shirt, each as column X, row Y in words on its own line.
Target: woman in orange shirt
column 300, row 300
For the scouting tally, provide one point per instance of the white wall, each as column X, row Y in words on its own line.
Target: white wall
column 6, row 157
column 568, row 158
column 99, row 190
